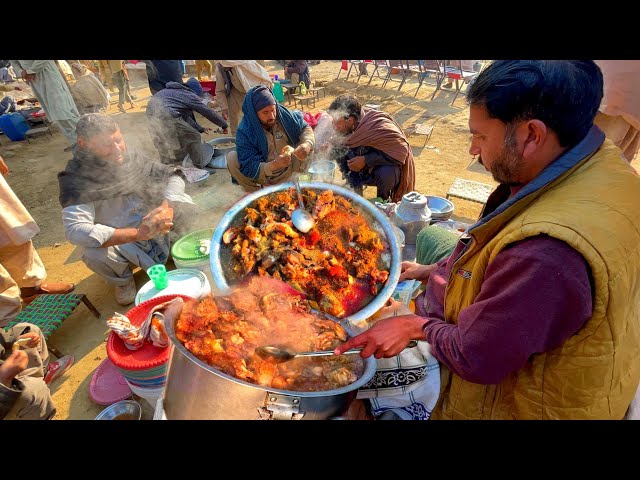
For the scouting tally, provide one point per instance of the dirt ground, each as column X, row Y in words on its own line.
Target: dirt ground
column 34, row 167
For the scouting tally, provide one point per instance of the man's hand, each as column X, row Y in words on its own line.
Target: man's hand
column 415, row 271
column 387, row 337
column 207, row 130
column 356, row 164
column 4, row 170
column 158, row 221
column 34, row 339
column 281, row 161
column 12, row 366
column 302, row 151
column 28, row 77
column 225, row 114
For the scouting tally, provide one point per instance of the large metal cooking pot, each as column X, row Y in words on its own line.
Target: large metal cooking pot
column 377, row 218
column 197, row 391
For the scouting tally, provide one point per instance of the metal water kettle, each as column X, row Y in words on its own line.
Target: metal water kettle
column 411, row 215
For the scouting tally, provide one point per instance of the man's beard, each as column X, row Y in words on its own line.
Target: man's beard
column 506, row 167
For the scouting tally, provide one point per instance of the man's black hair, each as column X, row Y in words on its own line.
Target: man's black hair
column 564, row 94
column 348, row 104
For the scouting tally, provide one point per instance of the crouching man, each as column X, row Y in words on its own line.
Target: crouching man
column 118, row 204
column 266, row 130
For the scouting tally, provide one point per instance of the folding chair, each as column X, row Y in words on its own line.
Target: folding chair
column 359, row 64
column 391, row 66
column 48, row 311
column 344, row 65
column 409, row 67
column 430, row 67
column 376, row 66
column 461, row 77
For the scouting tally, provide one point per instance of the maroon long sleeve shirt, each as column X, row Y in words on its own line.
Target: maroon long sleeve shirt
column 535, row 294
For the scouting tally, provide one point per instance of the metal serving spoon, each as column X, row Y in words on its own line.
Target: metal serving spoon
column 280, row 355
column 300, row 218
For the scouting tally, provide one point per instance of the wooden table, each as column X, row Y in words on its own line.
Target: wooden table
column 289, row 90
column 316, row 91
column 302, row 99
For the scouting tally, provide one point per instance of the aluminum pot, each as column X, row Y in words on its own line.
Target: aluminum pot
column 379, row 221
column 197, row 391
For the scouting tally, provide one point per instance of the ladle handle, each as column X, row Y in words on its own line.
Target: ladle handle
column 299, row 195
column 323, row 353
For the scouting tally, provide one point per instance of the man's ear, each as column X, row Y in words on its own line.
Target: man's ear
column 535, row 136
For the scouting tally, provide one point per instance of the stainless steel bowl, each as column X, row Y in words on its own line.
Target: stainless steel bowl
column 125, row 410
column 222, row 151
column 378, row 218
column 441, row 208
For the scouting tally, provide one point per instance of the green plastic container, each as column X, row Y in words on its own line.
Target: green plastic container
column 278, row 93
column 186, row 251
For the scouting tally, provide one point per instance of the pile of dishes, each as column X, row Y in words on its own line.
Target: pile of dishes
column 441, row 208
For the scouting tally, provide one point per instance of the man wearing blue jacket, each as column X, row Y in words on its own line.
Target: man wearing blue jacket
column 172, row 125
column 265, row 130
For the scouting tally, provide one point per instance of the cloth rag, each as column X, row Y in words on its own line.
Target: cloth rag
column 152, row 329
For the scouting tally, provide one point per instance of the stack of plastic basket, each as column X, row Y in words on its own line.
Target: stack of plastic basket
column 186, row 251
column 145, row 369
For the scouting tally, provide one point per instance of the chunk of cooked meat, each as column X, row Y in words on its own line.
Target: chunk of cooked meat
column 341, row 249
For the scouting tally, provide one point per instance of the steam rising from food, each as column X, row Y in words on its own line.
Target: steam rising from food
column 225, row 331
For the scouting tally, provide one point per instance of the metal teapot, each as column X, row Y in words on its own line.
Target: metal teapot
column 411, row 215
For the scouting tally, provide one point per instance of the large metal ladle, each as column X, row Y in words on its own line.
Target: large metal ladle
column 280, row 355
column 300, row 218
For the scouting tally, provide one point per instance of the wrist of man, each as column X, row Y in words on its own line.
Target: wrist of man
column 142, row 233
column 424, row 329
column 309, row 148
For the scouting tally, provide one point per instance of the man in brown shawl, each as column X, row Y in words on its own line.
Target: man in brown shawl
column 378, row 152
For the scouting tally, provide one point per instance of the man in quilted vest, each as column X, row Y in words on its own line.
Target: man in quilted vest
column 535, row 314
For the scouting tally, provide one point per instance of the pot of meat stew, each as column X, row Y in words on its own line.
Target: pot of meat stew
column 198, row 391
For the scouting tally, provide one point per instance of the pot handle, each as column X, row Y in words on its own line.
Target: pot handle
column 280, row 407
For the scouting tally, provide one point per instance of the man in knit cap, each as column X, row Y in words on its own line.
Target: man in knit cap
column 266, row 129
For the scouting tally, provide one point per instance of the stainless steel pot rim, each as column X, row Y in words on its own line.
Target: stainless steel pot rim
column 369, row 371
column 216, row 141
column 382, row 220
